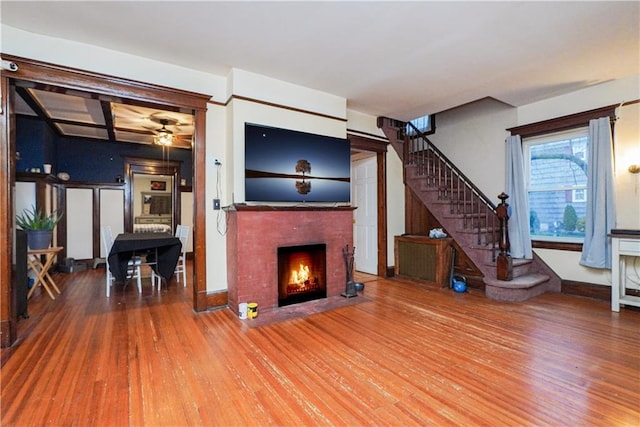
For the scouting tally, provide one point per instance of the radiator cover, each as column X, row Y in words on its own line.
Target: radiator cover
column 422, row 258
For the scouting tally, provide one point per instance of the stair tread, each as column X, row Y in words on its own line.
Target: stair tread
column 521, row 282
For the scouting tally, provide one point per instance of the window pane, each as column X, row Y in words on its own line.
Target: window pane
column 557, row 180
column 559, row 164
column 423, row 124
column 555, row 214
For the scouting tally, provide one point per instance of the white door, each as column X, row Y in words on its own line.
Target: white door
column 365, row 229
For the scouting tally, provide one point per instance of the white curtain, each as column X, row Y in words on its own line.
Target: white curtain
column 519, row 232
column 601, row 214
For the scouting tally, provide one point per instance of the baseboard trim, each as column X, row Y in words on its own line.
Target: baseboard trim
column 217, row 299
column 583, row 289
column 391, row 271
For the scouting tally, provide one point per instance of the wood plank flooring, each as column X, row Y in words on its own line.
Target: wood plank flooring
column 410, row 354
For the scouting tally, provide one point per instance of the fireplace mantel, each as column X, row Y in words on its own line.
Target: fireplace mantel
column 254, row 234
column 239, row 207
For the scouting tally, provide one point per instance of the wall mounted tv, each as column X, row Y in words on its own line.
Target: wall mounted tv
column 289, row 166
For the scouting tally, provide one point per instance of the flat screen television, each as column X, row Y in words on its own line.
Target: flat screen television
column 283, row 165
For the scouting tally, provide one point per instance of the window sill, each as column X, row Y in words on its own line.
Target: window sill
column 561, row 246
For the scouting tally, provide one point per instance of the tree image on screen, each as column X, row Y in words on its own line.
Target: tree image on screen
column 303, row 187
column 303, row 166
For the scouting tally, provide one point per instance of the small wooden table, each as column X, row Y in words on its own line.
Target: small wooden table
column 625, row 244
column 34, row 259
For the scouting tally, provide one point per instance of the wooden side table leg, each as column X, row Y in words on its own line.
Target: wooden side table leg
column 43, row 272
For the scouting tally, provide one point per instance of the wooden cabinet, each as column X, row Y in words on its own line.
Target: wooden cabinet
column 423, row 258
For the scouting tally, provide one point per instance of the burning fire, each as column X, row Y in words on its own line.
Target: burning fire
column 301, row 280
column 301, row 276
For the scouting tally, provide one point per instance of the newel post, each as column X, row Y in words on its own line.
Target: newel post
column 504, row 262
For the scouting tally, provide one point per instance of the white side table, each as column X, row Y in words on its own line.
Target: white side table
column 624, row 246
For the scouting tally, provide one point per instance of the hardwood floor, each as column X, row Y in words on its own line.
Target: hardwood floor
column 408, row 354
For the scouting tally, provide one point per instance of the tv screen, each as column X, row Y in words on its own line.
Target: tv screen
column 289, row 166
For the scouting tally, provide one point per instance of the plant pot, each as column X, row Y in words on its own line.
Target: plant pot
column 39, row 239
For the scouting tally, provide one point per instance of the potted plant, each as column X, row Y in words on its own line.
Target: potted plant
column 38, row 226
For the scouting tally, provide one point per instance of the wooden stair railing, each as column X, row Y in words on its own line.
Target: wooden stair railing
column 425, row 160
column 478, row 227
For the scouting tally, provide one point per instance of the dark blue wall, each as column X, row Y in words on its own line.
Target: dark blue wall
column 35, row 140
column 85, row 159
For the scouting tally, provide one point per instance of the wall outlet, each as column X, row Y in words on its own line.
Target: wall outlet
column 216, row 204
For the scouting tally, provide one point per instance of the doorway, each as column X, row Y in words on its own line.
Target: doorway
column 152, row 192
column 365, row 227
column 372, row 152
column 105, row 88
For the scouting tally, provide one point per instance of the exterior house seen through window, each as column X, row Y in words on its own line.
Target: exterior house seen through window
column 556, row 175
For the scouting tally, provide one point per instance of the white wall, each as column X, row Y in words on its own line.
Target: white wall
column 395, row 202
column 473, row 137
column 216, row 243
column 97, row 59
column 25, row 196
column 627, row 136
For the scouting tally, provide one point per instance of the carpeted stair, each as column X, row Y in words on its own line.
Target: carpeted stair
column 467, row 217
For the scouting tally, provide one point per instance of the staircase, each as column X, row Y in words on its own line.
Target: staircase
column 465, row 212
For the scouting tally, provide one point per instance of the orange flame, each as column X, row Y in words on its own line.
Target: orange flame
column 300, row 276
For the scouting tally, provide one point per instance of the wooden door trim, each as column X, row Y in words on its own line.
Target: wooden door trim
column 124, row 90
column 380, row 148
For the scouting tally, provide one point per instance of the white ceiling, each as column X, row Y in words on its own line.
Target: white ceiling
column 397, row 59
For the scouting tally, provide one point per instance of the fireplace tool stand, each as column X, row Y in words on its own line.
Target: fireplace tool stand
column 352, row 287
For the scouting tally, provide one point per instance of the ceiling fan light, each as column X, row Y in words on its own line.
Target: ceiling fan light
column 164, row 137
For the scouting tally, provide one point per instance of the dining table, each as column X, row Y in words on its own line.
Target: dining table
column 161, row 250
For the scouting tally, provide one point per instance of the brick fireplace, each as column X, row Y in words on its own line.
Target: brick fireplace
column 254, row 235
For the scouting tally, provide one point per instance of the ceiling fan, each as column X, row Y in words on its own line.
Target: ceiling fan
column 173, row 135
column 163, row 135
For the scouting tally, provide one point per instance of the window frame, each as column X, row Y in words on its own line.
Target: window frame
column 556, row 125
column 548, row 138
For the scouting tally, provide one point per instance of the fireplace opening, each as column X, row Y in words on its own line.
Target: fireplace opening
column 301, row 273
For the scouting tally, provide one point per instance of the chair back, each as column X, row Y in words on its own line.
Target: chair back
column 182, row 233
column 107, row 239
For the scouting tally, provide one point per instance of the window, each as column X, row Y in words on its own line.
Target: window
column 556, row 179
column 425, row 124
column 580, row 195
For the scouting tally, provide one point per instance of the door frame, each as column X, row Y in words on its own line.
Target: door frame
column 378, row 146
column 110, row 87
column 137, row 165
